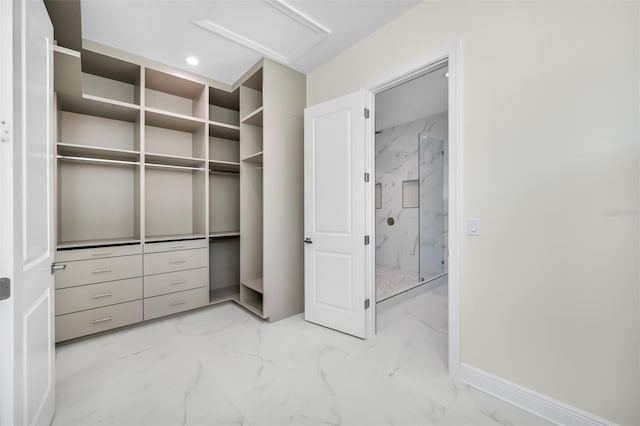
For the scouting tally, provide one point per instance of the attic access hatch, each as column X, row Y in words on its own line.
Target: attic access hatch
column 271, row 27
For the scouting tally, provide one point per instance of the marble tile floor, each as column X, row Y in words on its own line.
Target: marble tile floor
column 222, row 366
column 390, row 282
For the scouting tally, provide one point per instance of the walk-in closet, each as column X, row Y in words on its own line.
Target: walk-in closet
column 171, row 187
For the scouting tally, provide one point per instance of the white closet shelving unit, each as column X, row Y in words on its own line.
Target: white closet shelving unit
column 272, row 104
column 168, row 188
column 175, row 157
column 224, row 195
column 98, row 135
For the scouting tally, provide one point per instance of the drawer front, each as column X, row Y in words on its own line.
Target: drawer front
column 83, row 323
column 170, row 261
column 93, row 296
column 99, row 270
column 156, row 285
column 168, row 304
column 97, row 253
column 175, row 245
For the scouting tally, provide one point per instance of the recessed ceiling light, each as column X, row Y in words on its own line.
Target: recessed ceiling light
column 192, row 60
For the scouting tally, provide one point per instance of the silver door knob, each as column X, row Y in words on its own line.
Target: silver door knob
column 308, row 241
column 55, row 267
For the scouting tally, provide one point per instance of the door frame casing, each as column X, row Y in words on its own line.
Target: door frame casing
column 452, row 53
column 6, row 213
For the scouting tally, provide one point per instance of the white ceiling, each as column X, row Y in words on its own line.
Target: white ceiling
column 229, row 36
column 422, row 97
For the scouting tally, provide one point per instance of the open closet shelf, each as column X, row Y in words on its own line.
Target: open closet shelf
column 223, row 130
column 224, row 98
column 171, row 120
column 175, row 237
column 226, row 234
column 254, row 306
column 254, row 158
column 255, row 284
column 224, row 166
column 172, row 160
column 173, row 85
column 101, row 107
column 226, row 294
column 68, row 84
column 72, row 150
column 111, row 68
column 254, row 118
column 97, row 243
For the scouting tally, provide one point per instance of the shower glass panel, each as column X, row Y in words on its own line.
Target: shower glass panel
column 433, row 215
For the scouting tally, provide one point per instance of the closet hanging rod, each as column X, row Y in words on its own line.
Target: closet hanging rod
column 97, row 160
column 172, row 167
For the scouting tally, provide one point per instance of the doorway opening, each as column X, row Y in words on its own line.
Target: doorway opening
column 411, row 186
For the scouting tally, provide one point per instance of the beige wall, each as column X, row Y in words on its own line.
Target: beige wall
column 550, row 138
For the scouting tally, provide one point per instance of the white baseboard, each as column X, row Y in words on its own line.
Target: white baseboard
column 534, row 402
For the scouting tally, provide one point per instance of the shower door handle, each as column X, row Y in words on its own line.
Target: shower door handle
column 308, row 241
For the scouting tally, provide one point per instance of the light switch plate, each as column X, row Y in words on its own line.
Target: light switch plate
column 473, row 226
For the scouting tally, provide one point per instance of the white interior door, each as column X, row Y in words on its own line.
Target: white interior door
column 27, row 190
column 334, row 209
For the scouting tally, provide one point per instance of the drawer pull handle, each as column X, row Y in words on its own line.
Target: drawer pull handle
column 177, row 302
column 98, row 296
column 97, row 321
column 178, row 282
column 177, row 247
column 101, row 271
column 106, row 253
column 177, row 261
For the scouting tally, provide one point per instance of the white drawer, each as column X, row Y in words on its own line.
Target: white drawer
column 156, row 285
column 175, row 245
column 168, row 304
column 93, row 296
column 179, row 260
column 97, row 252
column 82, row 323
column 99, row 270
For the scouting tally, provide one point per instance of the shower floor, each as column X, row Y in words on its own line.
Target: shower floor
column 390, row 282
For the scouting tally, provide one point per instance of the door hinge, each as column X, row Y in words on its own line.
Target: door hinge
column 5, row 288
column 366, row 240
column 5, row 131
column 367, row 303
column 366, row 177
column 366, row 113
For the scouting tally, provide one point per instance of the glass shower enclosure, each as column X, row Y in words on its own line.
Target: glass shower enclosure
column 433, row 215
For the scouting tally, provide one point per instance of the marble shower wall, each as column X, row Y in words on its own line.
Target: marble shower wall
column 398, row 159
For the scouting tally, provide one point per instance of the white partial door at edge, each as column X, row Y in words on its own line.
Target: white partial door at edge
column 32, row 342
column 334, row 210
